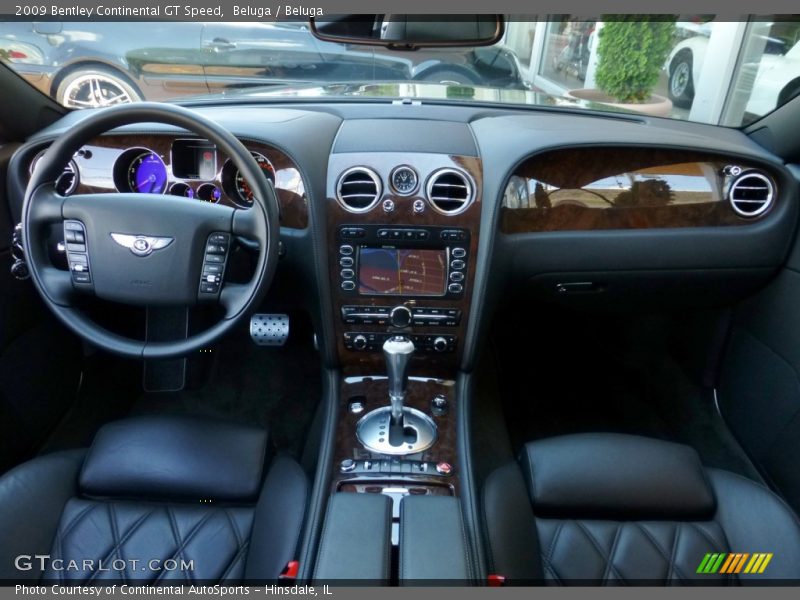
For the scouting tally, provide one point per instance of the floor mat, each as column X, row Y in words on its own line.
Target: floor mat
column 579, row 377
column 278, row 388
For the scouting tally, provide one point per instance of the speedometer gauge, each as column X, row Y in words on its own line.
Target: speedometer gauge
column 235, row 184
column 147, row 174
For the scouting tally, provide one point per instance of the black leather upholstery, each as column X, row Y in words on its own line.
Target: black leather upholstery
column 356, row 541
column 183, row 490
column 187, row 458
column 597, row 508
column 433, row 542
column 658, row 478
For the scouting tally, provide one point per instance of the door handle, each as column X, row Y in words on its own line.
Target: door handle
column 219, row 44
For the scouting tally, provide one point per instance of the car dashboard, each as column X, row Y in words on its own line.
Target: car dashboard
column 419, row 217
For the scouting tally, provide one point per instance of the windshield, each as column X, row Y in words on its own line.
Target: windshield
column 690, row 67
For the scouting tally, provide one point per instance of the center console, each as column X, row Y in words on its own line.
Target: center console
column 403, row 233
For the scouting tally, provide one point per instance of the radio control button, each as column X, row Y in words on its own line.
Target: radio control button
column 400, row 316
column 346, row 261
column 459, row 253
column 347, row 274
column 348, row 285
column 345, row 250
column 360, row 342
column 454, row 288
column 456, row 276
column 440, row 344
column 457, row 264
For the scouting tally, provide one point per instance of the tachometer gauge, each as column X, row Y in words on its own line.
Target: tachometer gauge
column 235, row 184
column 147, row 174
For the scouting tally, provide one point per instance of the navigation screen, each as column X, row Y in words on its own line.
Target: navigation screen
column 391, row 272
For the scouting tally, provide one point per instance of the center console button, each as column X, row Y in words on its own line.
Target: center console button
column 347, row 465
column 346, row 261
column 440, row 344
column 457, row 264
column 348, row 285
column 444, row 468
column 455, row 288
column 459, row 253
column 400, row 316
column 457, row 276
column 345, row 250
column 347, row 274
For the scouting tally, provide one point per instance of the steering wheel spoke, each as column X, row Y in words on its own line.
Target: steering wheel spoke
column 59, row 287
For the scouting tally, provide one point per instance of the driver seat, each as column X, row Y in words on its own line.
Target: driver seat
column 155, row 500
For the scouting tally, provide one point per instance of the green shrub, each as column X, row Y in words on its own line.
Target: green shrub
column 631, row 52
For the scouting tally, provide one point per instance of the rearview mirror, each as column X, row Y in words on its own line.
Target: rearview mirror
column 409, row 32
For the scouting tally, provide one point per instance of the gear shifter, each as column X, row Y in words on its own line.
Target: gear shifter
column 397, row 429
column 397, row 351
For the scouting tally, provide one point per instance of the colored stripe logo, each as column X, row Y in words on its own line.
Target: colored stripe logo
column 733, row 562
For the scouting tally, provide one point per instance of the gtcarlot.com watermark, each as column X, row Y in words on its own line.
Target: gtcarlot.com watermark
column 43, row 562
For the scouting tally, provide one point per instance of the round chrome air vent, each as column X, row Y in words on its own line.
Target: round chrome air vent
column 449, row 191
column 751, row 194
column 359, row 189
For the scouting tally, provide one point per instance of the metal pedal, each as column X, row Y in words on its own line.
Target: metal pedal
column 268, row 329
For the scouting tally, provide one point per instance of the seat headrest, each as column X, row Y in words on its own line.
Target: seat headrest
column 175, row 458
column 614, row 476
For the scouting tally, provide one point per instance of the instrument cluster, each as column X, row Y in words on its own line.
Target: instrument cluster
column 193, row 171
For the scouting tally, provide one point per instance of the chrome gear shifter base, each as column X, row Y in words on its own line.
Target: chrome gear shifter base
column 419, row 431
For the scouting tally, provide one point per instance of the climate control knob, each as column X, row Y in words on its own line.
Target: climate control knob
column 440, row 344
column 400, row 316
column 360, row 342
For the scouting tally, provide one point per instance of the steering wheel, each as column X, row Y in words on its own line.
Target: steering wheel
column 146, row 249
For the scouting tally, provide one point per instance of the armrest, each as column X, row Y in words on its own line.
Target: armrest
column 432, row 540
column 356, row 539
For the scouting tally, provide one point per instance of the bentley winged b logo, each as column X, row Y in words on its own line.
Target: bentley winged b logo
column 141, row 245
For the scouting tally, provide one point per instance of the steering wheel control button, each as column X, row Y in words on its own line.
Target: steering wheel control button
column 213, row 272
column 71, row 236
column 77, row 252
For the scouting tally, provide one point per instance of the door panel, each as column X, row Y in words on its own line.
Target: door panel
column 759, row 387
column 39, row 360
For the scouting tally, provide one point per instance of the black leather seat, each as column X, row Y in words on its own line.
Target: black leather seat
column 161, row 489
column 595, row 509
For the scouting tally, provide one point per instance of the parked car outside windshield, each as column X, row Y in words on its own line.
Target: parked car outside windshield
column 94, row 64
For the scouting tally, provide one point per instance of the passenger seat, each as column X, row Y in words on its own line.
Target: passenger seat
column 594, row 509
